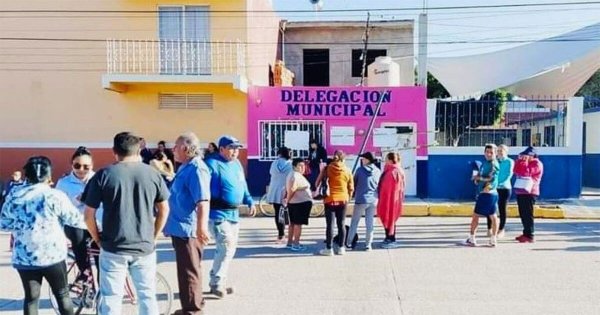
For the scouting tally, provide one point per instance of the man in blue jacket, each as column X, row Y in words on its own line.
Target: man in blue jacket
column 228, row 190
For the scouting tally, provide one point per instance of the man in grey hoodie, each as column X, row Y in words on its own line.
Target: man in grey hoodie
column 366, row 181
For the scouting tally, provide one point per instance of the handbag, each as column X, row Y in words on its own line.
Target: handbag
column 284, row 216
column 524, row 183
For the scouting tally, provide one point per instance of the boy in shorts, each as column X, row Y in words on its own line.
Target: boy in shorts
column 487, row 197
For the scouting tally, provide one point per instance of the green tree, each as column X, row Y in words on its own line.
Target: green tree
column 591, row 87
column 435, row 89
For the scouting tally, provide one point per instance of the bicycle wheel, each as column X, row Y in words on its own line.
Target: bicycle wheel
column 164, row 296
column 317, row 209
column 265, row 207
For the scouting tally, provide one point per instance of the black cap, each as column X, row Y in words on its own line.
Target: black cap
column 369, row 156
column 529, row 151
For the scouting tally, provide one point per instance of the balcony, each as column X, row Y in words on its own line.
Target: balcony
column 131, row 62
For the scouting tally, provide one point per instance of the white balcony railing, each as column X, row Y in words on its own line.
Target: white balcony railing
column 175, row 57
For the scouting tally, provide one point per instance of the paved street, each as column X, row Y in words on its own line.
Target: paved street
column 429, row 274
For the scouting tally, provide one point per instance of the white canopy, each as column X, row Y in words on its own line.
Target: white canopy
column 556, row 66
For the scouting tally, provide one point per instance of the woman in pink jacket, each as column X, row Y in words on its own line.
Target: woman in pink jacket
column 528, row 171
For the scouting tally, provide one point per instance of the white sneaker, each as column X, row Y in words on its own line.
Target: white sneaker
column 493, row 241
column 326, row 252
column 340, row 251
column 500, row 234
column 368, row 248
column 470, row 242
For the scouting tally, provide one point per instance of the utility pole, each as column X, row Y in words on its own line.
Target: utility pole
column 364, row 52
column 422, row 59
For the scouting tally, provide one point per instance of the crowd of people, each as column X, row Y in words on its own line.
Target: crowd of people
column 295, row 183
column 193, row 195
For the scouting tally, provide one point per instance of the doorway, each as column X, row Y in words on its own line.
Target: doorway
column 406, row 146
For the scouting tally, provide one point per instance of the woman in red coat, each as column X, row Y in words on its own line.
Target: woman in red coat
column 391, row 196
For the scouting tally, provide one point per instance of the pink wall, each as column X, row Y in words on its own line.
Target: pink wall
column 338, row 106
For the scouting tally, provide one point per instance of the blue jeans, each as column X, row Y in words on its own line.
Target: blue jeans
column 369, row 210
column 225, row 234
column 113, row 272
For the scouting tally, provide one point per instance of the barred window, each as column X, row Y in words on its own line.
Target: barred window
column 272, row 136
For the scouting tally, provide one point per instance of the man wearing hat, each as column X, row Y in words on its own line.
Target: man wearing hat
column 366, row 181
column 528, row 171
column 228, row 190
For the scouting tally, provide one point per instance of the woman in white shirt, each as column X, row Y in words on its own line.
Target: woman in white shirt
column 299, row 203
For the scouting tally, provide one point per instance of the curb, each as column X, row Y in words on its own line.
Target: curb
column 450, row 209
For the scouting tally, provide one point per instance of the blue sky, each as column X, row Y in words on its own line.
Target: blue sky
column 497, row 24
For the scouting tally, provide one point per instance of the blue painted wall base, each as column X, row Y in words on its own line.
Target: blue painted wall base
column 449, row 177
column 591, row 170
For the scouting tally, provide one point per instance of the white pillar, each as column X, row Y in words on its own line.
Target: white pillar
column 574, row 125
column 431, row 131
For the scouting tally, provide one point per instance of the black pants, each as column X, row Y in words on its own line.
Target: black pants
column 390, row 237
column 188, row 254
column 79, row 239
column 503, row 196
column 339, row 211
column 526, row 203
column 56, row 275
column 280, row 226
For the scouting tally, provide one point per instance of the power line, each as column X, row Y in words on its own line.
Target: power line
column 441, row 8
column 317, row 43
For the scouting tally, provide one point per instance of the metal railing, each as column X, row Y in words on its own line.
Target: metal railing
column 184, row 57
column 537, row 121
column 272, row 136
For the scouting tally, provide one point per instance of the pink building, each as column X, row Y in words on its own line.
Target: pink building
column 338, row 118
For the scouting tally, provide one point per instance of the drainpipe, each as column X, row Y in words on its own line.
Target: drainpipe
column 282, row 30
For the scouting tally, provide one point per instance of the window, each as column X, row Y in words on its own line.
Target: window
column 357, row 61
column 185, row 101
column 526, row 137
column 272, row 134
column 184, row 34
column 549, row 136
column 316, row 67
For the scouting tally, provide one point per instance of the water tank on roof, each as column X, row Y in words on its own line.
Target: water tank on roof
column 383, row 72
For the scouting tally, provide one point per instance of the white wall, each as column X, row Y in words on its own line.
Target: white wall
column 592, row 120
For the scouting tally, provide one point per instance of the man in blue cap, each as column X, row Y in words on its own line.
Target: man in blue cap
column 228, row 190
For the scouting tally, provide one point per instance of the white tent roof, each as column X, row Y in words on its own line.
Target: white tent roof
column 556, row 66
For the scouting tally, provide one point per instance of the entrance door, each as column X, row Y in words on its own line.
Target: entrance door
column 316, row 67
column 406, row 146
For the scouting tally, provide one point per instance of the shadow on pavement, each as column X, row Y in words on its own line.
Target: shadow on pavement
column 570, row 249
column 17, row 305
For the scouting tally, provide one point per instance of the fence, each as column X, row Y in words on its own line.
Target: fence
column 536, row 121
column 174, row 57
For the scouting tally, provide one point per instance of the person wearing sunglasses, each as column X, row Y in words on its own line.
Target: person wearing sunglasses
column 73, row 184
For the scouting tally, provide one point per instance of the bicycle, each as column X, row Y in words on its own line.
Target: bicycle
column 85, row 295
column 267, row 209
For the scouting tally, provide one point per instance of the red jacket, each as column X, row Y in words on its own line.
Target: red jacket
column 532, row 168
column 391, row 196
